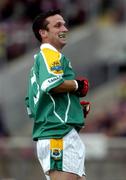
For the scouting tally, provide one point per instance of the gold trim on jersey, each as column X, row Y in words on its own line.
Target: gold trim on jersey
column 52, row 60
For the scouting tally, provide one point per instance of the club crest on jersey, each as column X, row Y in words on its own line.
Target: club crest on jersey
column 56, row 66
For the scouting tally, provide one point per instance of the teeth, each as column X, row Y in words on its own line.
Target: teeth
column 62, row 35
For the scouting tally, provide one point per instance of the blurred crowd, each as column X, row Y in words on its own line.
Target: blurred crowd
column 15, row 23
column 16, row 17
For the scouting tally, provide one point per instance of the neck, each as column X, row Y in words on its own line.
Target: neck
column 48, row 45
column 54, row 45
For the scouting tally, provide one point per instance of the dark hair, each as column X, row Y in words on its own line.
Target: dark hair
column 40, row 22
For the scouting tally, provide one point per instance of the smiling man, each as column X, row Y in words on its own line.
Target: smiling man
column 53, row 101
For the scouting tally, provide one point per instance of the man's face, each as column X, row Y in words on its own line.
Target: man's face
column 56, row 34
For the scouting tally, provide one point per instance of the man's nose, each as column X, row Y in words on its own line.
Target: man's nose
column 65, row 29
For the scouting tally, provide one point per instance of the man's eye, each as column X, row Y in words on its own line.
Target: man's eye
column 58, row 25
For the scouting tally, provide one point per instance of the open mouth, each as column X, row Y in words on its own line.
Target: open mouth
column 62, row 35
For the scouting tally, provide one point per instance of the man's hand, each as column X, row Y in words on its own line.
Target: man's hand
column 83, row 86
column 86, row 107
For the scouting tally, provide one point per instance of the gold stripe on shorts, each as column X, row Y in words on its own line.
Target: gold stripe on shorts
column 56, row 143
column 56, row 147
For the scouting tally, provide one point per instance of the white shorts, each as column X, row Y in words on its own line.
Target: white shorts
column 67, row 154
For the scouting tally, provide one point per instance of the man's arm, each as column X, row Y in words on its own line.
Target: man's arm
column 79, row 87
column 66, row 86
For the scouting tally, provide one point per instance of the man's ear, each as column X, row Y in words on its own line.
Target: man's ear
column 43, row 33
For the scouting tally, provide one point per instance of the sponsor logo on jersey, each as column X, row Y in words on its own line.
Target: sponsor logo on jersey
column 51, row 80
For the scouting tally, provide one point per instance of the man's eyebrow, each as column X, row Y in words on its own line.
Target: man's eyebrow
column 60, row 21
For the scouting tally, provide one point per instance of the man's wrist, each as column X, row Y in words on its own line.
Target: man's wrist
column 76, row 85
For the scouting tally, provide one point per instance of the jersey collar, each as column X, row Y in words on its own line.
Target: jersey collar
column 49, row 46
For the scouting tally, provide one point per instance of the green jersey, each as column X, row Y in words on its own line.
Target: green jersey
column 54, row 114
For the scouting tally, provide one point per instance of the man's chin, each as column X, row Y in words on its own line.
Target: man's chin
column 61, row 44
column 64, row 43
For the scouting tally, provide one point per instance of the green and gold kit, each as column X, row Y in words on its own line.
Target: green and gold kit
column 54, row 114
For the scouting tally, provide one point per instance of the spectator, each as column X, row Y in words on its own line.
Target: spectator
column 7, row 9
column 32, row 8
